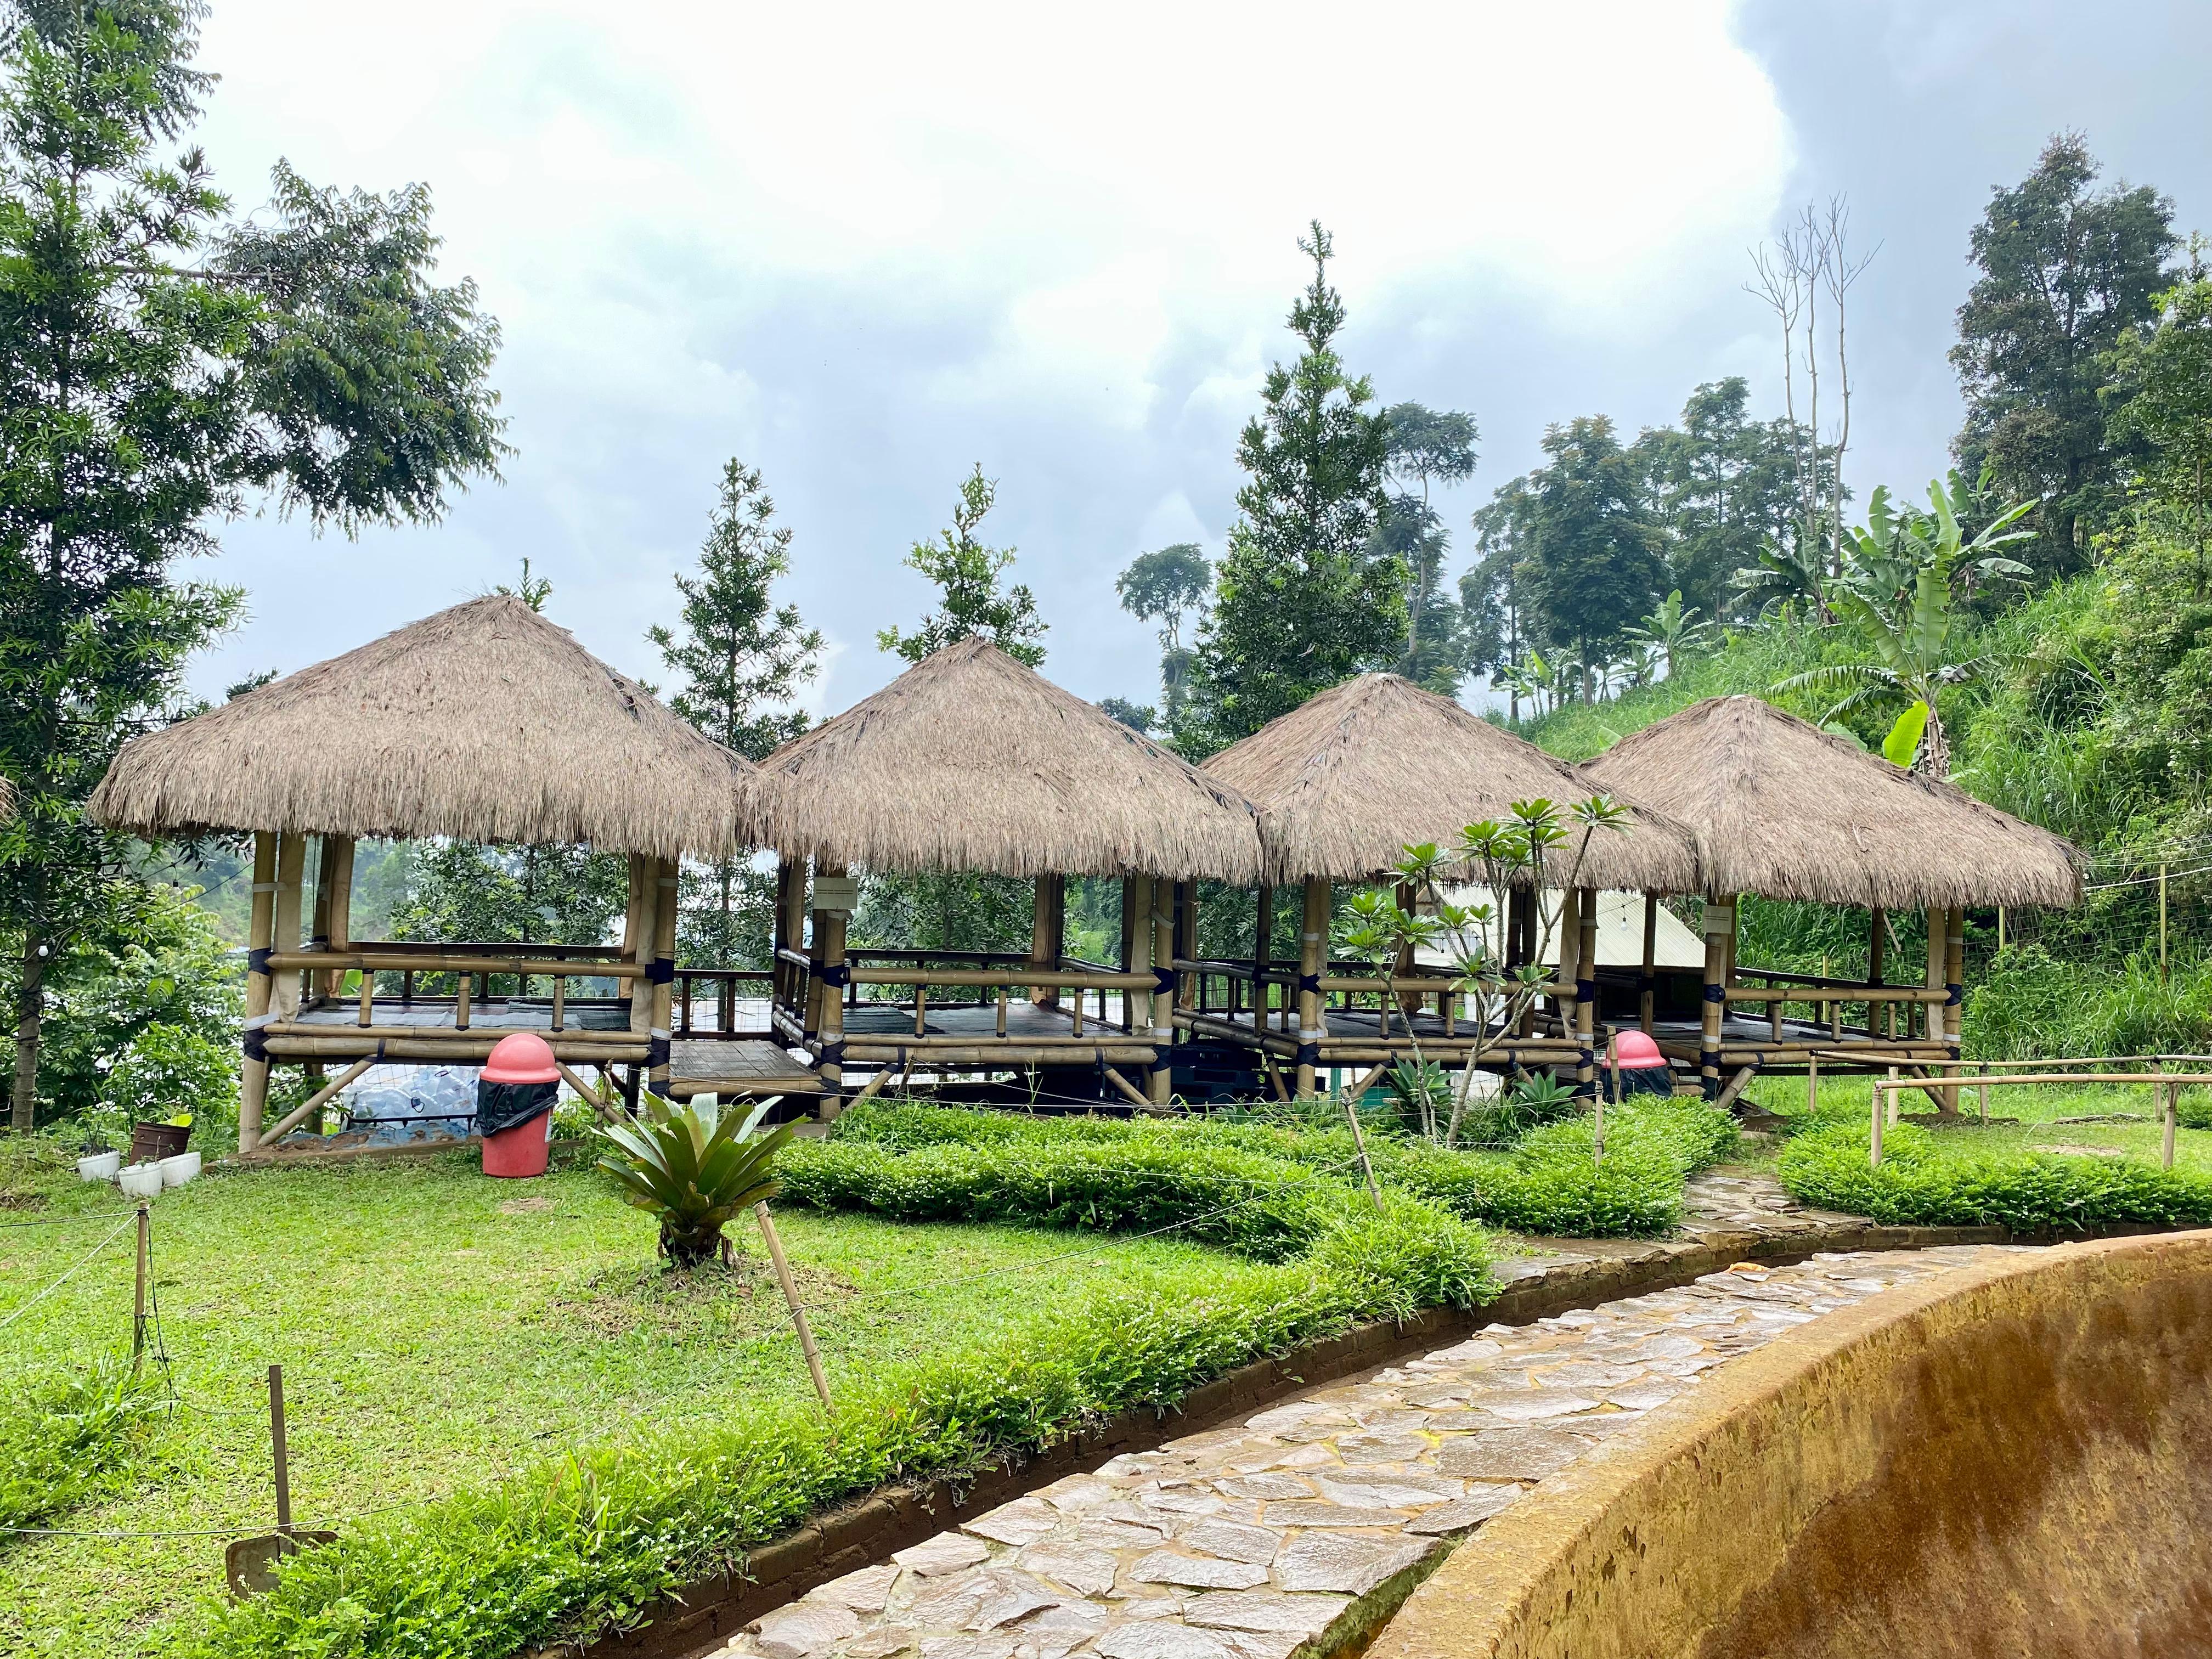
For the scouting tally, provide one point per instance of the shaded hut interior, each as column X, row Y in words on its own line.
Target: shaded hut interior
column 971, row 761
column 1779, row 809
column 1343, row 785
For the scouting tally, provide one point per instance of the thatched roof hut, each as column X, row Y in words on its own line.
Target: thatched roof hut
column 484, row 722
column 972, row 761
column 1345, row 780
column 1784, row 809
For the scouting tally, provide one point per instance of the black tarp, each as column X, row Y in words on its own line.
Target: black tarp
column 504, row 1105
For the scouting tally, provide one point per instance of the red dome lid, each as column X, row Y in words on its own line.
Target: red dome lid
column 523, row 1057
column 1637, row 1051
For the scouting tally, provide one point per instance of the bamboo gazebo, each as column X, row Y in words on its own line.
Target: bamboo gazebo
column 1343, row 785
column 1782, row 809
column 483, row 723
column 971, row 761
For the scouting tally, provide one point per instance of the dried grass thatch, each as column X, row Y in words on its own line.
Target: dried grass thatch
column 1345, row 781
column 971, row 760
column 1784, row 809
column 485, row 722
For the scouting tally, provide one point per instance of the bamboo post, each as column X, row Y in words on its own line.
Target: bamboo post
column 1812, row 1084
column 1955, row 976
column 1586, row 992
column 145, row 1256
column 1409, row 1002
column 1939, row 928
column 1186, row 945
column 832, row 908
column 1136, row 950
column 334, row 906
column 463, row 986
column 666, row 877
column 791, row 1296
column 291, row 861
column 1047, row 930
column 1647, row 983
column 1891, row 1114
column 560, row 1003
column 779, row 970
column 2172, row 1114
column 1308, row 1027
column 637, row 938
column 1719, row 923
column 253, row 1072
column 1613, row 1065
column 1263, row 935
column 1877, row 1114
column 2000, row 928
column 1160, row 1080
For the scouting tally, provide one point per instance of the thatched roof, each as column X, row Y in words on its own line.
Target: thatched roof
column 972, row 761
column 484, row 722
column 1784, row 809
column 1347, row 780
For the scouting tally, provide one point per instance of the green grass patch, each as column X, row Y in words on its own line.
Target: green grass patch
column 73, row 1438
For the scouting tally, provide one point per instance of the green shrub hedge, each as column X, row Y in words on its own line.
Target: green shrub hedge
column 1920, row 1184
column 575, row 1548
column 932, row 1162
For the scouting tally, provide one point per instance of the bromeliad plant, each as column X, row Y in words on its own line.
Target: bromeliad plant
column 1530, row 851
column 698, row 1168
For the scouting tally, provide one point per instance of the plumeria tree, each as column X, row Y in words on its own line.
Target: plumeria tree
column 1541, row 848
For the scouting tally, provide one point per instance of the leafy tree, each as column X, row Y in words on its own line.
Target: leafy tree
column 159, row 364
column 1426, row 447
column 968, row 573
column 504, row 894
column 1136, row 716
column 2066, row 269
column 1597, row 564
column 1301, row 599
column 742, row 658
column 1719, row 486
column 2162, row 386
column 1164, row 587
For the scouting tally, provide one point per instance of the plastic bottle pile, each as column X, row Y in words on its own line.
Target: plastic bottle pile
column 400, row 1104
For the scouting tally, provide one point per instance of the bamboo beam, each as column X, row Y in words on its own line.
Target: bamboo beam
column 590, row 1096
column 1123, row 1087
column 314, row 1103
column 1311, row 1027
column 429, row 960
column 253, row 1073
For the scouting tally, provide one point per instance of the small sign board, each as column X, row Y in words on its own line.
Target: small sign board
column 250, row 1564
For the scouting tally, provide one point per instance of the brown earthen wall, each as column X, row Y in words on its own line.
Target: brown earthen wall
column 2013, row 1460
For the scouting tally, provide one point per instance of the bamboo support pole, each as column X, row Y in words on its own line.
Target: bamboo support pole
column 1047, row 928
column 366, row 1014
column 253, row 1074
column 1586, row 993
column 588, row 1095
column 667, row 875
column 1955, row 976
column 1263, row 935
column 1647, row 981
column 798, row 1312
column 2171, row 1114
column 1309, row 1028
column 920, row 1011
column 1939, row 926
column 1186, row 942
column 1719, row 923
column 462, row 987
column 1597, row 1124
column 829, row 949
column 1128, row 1090
column 145, row 1256
column 1159, row 1079
column 291, row 860
column 637, row 941
column 1812, row 1083
column 1006, row 995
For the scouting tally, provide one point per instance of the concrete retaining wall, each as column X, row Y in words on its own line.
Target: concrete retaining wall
column 2011, row 1460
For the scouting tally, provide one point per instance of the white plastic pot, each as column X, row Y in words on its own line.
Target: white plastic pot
column 141, row 1181
column 100, row 1166
column 177, row 1169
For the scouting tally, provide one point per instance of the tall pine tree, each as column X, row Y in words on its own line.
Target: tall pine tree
column 742, row 658
column 1303, row 598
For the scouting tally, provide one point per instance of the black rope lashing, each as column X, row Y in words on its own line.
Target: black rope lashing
column 656, row 1051
column 257, row 1047
column 1309, row 1053
column 1716, row 993
column 1165, row 979
column 257, row 961
column 661, row 970
column 1585, row 990
column 1310, row 982
column 836, row 978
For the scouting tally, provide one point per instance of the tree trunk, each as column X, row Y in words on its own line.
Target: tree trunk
column 29, row 1011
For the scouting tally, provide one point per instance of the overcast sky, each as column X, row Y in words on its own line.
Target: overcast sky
column 865, row 248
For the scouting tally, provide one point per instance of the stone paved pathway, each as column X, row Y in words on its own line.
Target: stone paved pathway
column 1295, row 1526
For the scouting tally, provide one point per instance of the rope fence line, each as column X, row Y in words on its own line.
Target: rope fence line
column 71, row 1220
column 71, row 1271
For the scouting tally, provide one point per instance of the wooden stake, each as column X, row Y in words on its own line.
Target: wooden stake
column 145, row 1254
column 1613, row 1065
column 2173, row 1115
column 278, row 1454
column 1586, row 993
column 797, row 1313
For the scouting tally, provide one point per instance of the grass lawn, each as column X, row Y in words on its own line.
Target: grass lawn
column 2032, row 1106
column 438, row 1330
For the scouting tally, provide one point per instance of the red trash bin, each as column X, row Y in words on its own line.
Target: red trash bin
column 516, row 1091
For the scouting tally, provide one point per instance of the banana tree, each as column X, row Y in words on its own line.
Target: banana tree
column 1884, row 556
column 1913, row 664
column 697, row 1167
column 1672, row 630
